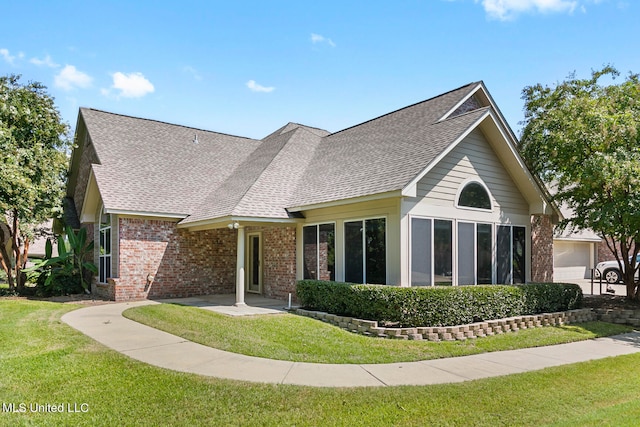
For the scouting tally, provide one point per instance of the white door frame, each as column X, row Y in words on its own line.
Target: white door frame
column 252, row 286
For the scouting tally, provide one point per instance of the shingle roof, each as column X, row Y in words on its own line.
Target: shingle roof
column 262, row 185
column 150, row 166
column 383, row 154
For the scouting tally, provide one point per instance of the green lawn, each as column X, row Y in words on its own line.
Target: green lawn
column 301, row 339
column 43, row 361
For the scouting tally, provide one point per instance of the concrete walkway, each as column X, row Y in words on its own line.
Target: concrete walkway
column 105, row 324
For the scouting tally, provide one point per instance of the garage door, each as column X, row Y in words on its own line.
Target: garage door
column 571, row 260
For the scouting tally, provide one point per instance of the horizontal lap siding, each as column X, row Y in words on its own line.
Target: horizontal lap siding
column 473, row 157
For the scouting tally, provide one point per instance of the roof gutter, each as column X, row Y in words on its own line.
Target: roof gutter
column 224, row 222
column 352, row 200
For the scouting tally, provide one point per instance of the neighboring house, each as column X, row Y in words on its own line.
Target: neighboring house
column 576, row 253
column 38, row 245
column 434, row 193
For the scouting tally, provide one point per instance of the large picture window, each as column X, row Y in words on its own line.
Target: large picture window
column 319, row 251
column 105, row 248
column 511, row 254
column 431, row 252
column 421, row 252
column 474, row 253
column 477, row 255
column 365, row 251
column 443, row 252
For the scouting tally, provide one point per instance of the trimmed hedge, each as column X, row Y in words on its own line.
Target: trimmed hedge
column 436, row 306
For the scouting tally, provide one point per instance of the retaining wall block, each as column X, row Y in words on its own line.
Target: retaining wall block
column 377, row 331
column 478, row 329
column 432, row 336
column 445, row 336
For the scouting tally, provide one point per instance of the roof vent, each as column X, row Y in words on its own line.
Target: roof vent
column 195, row 139
column 469, row 105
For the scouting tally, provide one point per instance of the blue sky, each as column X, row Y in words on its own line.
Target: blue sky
column 248, row 67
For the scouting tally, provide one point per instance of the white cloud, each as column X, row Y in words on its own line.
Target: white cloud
column 47, row 61
column 255, row 87
column 194, row 73
column 4, row 53
column 69, row 78
column 505, row 10
column 317, row 38
column 132, row 85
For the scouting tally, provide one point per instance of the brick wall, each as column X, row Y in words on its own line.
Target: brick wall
column 279, row 261
column 158, row 260
column 604, row 253
column 541, row 248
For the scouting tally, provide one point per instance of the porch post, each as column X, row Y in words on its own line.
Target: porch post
column 240, row 266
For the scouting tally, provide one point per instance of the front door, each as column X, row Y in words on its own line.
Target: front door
column 254, row 267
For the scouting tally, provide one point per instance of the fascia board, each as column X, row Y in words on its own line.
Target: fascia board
column 225, row 221
column 91, row 199
column 342, row 202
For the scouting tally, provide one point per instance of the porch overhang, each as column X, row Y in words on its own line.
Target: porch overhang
column 349, row 201
column 223, row 222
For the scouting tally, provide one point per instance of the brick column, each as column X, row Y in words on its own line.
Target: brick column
column 541, row 248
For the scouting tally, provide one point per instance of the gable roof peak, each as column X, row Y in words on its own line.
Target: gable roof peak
column 293, row 126
column 463, row 91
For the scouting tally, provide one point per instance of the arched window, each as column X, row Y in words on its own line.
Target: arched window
column 474, row 195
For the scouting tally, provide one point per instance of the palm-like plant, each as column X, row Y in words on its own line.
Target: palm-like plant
column 70, row 262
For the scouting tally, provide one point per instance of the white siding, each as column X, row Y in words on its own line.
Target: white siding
column 472, row 158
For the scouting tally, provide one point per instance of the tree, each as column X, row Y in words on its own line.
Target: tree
column 33, row 161
column 583, row 138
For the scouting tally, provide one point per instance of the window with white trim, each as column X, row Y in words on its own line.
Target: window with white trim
column 104, row 268
column 365, row 251
column 475, row 245
column 474, row 195
column 319, row 253
column 482, row 253
column 511, row 251
column 431, row 252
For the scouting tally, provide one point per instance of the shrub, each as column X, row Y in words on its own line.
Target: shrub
column 65, row 273
column 60, row 284
column 550, row 297
column 436, row 306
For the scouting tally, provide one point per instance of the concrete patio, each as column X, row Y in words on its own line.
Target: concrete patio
column 225, row 304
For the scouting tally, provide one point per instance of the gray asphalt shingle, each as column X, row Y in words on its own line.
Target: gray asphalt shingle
column 150, row 166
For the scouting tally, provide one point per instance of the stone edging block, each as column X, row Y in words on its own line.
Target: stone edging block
column 475, row 330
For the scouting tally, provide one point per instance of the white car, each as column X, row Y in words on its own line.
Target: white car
column 610, row 271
